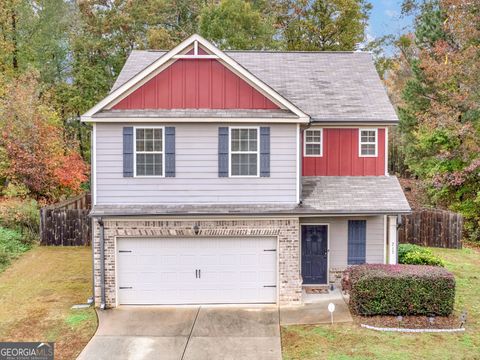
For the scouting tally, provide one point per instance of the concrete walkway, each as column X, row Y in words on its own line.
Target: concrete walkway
column 186, row 333
column 315, row 310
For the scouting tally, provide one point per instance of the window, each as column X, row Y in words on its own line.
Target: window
column 149, row 151
column 368, row 142
column 357, row 241
column 313, row 142
column 244, row 145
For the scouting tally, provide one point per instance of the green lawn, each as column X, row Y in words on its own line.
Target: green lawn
column 36, row 294
column 352, row 342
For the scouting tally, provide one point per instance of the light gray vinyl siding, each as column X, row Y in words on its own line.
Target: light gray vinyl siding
column 196, row 179
column 339, row 238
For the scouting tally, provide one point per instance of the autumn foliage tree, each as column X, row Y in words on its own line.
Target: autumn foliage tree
column 34, row 151
column 436, row 85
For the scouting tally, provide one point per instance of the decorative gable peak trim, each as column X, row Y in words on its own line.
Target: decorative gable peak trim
column 182, row 50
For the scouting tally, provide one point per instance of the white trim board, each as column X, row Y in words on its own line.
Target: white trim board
column 194, row 120
column 116, row 95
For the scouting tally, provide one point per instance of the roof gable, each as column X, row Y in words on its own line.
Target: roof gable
column 341, row 87
column 195, row 84
column 189, row 50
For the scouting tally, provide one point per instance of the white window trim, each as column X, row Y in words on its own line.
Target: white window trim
column 148, row 152
column 371, row 143
column 230, row 152
column 305, row 143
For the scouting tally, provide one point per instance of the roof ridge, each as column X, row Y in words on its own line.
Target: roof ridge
column 274, row 51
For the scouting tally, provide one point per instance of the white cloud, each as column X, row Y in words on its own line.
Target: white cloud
column 391, row 13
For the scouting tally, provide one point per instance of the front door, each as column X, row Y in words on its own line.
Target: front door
column 314, row 254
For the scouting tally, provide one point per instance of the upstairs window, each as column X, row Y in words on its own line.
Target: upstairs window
column 368, row 142
column 313, row 142
column 244, row 152
column 149, row 151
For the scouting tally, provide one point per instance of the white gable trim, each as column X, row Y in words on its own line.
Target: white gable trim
column 222, row 57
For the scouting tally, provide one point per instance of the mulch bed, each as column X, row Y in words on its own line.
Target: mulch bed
column 410, row 322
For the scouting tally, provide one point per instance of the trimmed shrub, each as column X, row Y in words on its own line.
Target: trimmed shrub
column 377, row 289
column 417, row 255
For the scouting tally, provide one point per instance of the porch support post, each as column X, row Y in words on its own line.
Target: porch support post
column 392, row 240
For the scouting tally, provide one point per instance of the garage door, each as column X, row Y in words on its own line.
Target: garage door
column 196, row 270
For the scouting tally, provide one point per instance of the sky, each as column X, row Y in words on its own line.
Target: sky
column 386, row 18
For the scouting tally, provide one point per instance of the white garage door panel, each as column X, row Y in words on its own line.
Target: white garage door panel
column 162, row 271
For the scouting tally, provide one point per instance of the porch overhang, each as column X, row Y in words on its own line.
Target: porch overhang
column 353, row 195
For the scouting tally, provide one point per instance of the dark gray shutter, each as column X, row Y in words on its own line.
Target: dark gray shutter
column 128, row 151
column 170, row 151
column 357, row 240
column 264, row 151
column 223, row 151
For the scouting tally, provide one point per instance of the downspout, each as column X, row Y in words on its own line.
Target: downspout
column 102, row 264
column 91, row 299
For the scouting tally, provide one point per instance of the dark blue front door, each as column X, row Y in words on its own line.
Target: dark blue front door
column 314, row 254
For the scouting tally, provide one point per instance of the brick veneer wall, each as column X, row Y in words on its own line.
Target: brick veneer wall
column 287, row 231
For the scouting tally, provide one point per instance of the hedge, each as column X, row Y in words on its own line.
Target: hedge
column 377, row 289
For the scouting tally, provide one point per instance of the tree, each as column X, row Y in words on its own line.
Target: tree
column 439, row 106
column 324, row 24
column 34, row 152
column 236, row 24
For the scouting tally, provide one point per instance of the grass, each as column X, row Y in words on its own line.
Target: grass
column 36, row 295
column 349, row 341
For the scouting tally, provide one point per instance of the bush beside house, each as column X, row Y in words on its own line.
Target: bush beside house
column 417, row 255
column 377, row 289
column 19, row 227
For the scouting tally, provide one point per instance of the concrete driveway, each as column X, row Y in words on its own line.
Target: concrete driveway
column 188, row 333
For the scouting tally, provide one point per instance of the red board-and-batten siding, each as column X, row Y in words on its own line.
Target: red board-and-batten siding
column 341, row 156
column 196, row 84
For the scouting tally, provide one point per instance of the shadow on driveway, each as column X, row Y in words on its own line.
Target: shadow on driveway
column 187, row 333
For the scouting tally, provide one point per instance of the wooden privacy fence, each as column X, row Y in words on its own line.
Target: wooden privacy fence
column 437, row 228
column 66, row 223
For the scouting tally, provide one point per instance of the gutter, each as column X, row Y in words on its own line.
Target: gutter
column 102, row 263
column 250, row 214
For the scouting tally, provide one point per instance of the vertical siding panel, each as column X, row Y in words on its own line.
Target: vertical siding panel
column 358, row 162
column 163, row 93
column 244, row 95
column 217, row 85
column 204, row 87
column 322, row 162
column 258, row 100
column 176, row 86
column 191, row 84
column 231, row 90
column 332, row 158
column 381, row 153
column 150, row 94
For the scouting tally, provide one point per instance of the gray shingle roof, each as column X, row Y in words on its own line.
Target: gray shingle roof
column 328, row 86
column 353, row 194
column 325, row 195
column 198, row 113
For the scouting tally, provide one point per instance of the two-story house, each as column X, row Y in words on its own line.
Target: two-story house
column 239, row 176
